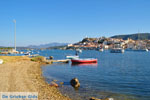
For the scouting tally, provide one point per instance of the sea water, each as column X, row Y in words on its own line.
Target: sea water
column 120, row 76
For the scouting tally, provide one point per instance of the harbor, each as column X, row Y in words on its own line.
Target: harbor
column 62, row 70
column 74, row 50
column 110, row 77
column 107, row 67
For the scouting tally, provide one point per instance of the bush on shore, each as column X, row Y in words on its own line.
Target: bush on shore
column 38, row 59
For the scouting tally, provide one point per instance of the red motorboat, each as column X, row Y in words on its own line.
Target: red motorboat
column 89, row 60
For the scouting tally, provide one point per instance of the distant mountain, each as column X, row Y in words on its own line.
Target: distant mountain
column 137, row 36
column 1, row 46
column 54, row 44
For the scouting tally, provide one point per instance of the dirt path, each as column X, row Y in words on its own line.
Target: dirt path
column 23, row 75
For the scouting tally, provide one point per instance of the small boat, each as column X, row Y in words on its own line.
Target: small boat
column 87, row 60
column 101, row 50
column 34, row 55
column 117, row 50
column 1, row 61
column 27, row 54
column 79, row 50
column 72, row 57
column 21, row 52
column 143, row 50
column 138, row 50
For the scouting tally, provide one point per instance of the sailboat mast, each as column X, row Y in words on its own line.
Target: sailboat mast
column 15, row 34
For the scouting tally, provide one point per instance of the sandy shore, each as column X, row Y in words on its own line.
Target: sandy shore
column 20, row 74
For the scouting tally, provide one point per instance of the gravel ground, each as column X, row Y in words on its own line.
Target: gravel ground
column 20, row 74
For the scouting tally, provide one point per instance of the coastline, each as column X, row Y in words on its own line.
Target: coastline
column 20, row 74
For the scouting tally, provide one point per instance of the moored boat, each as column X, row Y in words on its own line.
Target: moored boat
column 79, row 50
column 34, row 55
column 27, row 54
column 87, row 60
column 72, row 57
column 141, row 50
column 117, row 50
column 138, row 50
column 101, row 50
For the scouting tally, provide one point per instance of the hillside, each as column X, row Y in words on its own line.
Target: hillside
column 55, row 44
column 137, row 36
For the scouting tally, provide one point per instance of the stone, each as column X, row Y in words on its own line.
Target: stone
column 51, row 57
column 110, row 99
column 105, row 99
column 75, row 83
column 93, row 98
column 61, row 83
column 48, row 62
column 55, row 80
column 54, row 84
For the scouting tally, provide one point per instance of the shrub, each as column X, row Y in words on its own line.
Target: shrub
column 38, row 59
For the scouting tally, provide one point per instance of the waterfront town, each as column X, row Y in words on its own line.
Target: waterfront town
column 95, row 44
column 110, row 43
column 75, row 50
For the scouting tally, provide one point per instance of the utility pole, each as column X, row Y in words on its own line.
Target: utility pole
column 14, row 34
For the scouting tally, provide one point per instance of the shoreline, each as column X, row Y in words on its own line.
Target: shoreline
column 20, row 74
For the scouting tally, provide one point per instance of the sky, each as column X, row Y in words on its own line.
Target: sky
column 69, row 21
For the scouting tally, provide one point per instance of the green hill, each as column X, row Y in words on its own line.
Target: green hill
column 137, row 36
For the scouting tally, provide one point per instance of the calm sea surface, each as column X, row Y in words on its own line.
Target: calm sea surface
column 120, row 76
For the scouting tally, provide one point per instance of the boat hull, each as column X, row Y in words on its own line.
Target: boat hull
column 84, row 60
column 138, row 50
column 117, row 51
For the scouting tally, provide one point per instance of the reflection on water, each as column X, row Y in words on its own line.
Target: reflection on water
column 84, row 64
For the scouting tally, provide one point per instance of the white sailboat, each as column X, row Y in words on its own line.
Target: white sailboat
column 117, row 50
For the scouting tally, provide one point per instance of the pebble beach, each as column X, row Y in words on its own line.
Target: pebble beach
column 20, row 74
